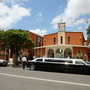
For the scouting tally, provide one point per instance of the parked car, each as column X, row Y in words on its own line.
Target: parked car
column 3, row 62
column 60, row 64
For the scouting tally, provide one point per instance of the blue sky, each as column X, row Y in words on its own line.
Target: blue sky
column 43, row 11
column 42, row 16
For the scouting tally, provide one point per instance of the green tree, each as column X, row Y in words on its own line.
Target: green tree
column 88, row 39
column 15, row 40
column 88, row 34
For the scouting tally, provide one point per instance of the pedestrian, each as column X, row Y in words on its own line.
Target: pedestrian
column 29, row 58
column 24, row 62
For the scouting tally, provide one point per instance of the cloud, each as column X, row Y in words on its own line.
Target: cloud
column 73, row 12
column 10, row 15
column 39, row 31
column 14, row 1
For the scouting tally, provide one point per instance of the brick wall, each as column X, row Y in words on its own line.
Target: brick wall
column 83, row 50
column 36, row 39
column 76, row 38
column 50, row 39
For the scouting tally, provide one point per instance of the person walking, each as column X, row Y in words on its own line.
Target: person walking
column 24, row 62
column 29, row 58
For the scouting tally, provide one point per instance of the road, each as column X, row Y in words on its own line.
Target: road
column 18, row 79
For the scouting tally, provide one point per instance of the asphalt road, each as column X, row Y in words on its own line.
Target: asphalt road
column 18, row 79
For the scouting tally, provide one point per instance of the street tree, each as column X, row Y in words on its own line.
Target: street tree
column 88, row 34
column 88, row 40
column 15, row 40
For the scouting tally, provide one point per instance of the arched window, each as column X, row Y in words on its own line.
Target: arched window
column 61, row 40
column 51, row 53
column 67, row 52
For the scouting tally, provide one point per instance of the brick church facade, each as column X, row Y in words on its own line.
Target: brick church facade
column 63, row 44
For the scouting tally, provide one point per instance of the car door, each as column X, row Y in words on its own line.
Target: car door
column 79, row 66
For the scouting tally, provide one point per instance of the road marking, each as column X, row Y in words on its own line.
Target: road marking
column 46, row 80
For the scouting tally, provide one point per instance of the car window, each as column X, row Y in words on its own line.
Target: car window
column 39, row 60
column 69, row 61
column 78, row 62
column 62, row 61
column 51, row 60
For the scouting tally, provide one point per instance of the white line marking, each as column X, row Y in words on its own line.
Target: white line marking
column 46, row 80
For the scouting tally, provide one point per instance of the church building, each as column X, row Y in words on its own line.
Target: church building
column 63, row 44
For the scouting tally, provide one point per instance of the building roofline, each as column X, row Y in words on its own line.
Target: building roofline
column 51, row 34
column 73, row 32
column 65, row 32
column 35, row 34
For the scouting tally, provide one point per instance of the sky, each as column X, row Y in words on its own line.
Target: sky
column 42, row 16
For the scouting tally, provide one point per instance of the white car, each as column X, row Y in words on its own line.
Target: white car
column 3, row 62
column 60, row 64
